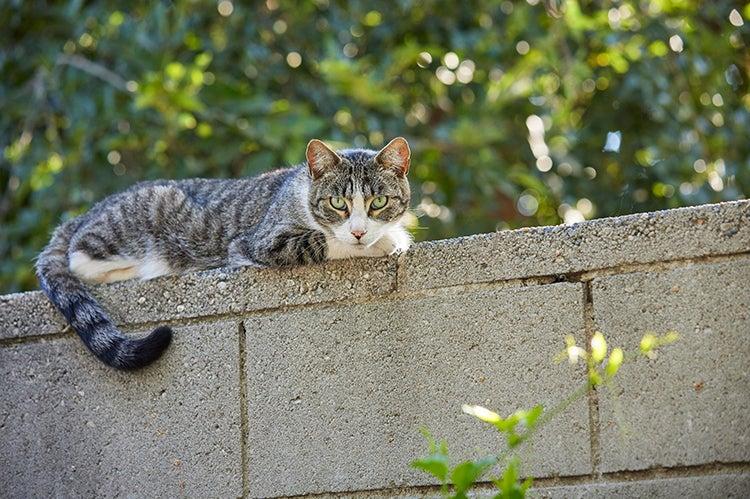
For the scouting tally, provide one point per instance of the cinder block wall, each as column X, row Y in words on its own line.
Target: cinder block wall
column 316, row 380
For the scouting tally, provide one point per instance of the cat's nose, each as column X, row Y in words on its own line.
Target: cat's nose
column 359, row 234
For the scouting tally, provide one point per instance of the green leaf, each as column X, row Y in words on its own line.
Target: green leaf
column 526, row 484
column 510, row 477
column 533, row 415
column 508, row 482
column 443, row 447
column 514, row 439
column 430, row 440
column 435, row 464
column 614, row 362
column 594, row 377
column 648, row 342
column 467, row 473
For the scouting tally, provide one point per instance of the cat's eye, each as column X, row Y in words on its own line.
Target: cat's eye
column 379, row 202
column 338, row 203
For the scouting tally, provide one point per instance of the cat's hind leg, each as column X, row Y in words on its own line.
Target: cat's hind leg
column 99, row 271
column 153, row 266
column 116, row 268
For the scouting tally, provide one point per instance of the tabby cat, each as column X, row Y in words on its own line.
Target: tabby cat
column 342, row 204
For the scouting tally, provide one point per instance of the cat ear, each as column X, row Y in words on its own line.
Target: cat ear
column 320, row 158
column 395, row 156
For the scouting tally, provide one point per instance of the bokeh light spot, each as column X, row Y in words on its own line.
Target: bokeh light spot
column 225, row 8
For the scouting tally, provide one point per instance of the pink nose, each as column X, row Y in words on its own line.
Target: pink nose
column 359, row 233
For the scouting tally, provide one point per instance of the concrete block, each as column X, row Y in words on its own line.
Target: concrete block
column 337, row 394
column 608, row 242
column 735, row 486
column 209, row 293
column 726, row 485
column 28, row 314
column 689, row 406
column 71, row 427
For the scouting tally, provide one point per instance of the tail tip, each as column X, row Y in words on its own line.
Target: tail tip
column 161, row 337
column 146, row 350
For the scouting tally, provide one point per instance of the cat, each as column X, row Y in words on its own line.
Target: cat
column 350, row 203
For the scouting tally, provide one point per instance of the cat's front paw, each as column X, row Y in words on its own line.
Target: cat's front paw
column 315, row 247
column 398, row 250
column 298, row 246
column 395, row 243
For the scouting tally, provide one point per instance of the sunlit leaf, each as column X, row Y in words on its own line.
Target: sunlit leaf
column 614, row 362
column 598, row 347
column 647, row 343
column 482, row 413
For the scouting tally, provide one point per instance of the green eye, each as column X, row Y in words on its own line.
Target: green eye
column 338, row 203
column 379, row 202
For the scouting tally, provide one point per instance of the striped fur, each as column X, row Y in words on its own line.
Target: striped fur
column 284, row 217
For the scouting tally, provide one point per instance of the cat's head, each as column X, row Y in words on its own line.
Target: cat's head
column 358, row 195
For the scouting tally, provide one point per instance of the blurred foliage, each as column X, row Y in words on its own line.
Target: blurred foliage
column 519, row 113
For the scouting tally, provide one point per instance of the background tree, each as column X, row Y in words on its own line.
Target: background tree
column 519, row 113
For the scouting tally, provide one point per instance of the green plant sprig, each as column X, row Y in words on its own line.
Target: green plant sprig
column 521, row 425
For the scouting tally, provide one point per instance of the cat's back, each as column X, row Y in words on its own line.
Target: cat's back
column 243, row 200
column 193, row 219
column 209, row 192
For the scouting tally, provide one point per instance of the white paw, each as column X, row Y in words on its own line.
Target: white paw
column 395, row 243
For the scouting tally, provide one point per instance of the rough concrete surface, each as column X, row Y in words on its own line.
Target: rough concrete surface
column 342, row 391
column 729, row 486
column 607, row 242
column 725, row 485
column 691, row 405
column 28, row 314
column 209, row 293
column 71, row 427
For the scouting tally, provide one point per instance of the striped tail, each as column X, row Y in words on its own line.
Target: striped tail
column 92, row 323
